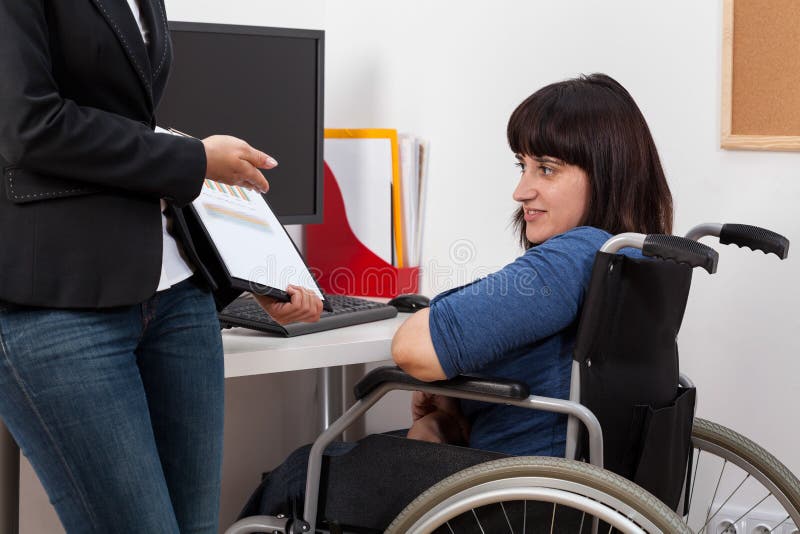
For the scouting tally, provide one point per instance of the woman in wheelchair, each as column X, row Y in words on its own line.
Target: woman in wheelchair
column 589, row 169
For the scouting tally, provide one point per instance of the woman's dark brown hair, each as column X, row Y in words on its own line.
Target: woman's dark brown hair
column 593, row 122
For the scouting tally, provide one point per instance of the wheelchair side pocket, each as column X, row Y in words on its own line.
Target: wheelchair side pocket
column 665, row 446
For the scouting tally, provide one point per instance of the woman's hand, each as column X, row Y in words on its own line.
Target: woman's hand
column 438, row 427
column 424, row 403
column 304, row 307
column 230, row 160
column 437, row 419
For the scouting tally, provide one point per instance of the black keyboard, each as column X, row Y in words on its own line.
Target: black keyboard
column 347, row 311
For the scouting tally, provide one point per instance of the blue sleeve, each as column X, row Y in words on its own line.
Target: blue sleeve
column 536, row 296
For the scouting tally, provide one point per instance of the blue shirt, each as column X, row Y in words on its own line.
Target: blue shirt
column 519, row 323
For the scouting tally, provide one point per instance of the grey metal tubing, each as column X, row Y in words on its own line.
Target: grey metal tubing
column 632, row 239
column 331, row 400
column 628, row 239
column 573, row 409
column 685, row 381
column 259, row 523
column 702, row 230
column 9, row 482
column 357, row 410
column 326, row 438
column 325, row 397
column 572, row 423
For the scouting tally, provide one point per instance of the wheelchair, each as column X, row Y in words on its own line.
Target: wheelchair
column 634, row 449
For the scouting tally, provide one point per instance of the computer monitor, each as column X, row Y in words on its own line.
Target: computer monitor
column 264, row 85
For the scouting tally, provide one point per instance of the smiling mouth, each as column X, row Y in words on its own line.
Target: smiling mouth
column 531, row 214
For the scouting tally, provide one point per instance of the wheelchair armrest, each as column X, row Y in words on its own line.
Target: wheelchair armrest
column 498, row 387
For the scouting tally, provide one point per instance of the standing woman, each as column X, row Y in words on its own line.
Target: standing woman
column 111, row 369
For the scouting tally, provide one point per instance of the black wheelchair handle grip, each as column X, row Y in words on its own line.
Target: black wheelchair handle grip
column 755, row 238
column 498, row 387
column 681, row 250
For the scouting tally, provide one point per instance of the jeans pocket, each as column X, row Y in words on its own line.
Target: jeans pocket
column 666, row 445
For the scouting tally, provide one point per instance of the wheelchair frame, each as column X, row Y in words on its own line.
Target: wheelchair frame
column 517, row 394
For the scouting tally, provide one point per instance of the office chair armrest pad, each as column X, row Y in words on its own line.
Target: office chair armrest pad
column 498, row 387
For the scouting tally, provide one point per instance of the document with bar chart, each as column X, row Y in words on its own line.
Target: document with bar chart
column 249, row 239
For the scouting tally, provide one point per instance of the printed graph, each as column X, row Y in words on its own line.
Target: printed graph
column 237, row 217
column 231, row 190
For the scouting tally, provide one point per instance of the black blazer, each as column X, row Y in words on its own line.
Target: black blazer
column 83, row 171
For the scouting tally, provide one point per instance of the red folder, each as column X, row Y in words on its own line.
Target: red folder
column 342, row 264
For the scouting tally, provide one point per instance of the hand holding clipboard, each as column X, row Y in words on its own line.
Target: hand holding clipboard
column 253, row 250
column 232, row 161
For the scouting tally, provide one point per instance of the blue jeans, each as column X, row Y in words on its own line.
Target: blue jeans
column 120, row 410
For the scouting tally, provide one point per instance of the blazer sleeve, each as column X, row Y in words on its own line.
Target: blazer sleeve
column 42, row 132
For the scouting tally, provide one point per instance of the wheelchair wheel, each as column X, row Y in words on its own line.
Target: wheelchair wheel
column 535, row 494
column 731, row 473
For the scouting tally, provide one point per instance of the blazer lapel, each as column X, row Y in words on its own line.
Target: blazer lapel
column 159, row 50
column 118, row 15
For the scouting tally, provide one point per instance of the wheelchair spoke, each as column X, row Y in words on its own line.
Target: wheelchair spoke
column 785, row 519
column 480, row 526
column 709, row 517
column 583, row 517
column 506, row 516
column 553, row 519
column 449, row 528
column 721, row 506
column 524, row 516
column 752, row 508
column 694, row 480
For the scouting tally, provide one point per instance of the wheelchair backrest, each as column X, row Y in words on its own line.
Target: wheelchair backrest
column 627, row 353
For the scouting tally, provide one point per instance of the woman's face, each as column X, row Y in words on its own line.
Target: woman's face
column 554, row 196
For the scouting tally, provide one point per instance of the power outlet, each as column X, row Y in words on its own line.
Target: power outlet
column 758, row 527
column 754, row 522
column 726, row 526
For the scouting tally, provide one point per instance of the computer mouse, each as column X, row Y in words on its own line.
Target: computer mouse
column 410, row 303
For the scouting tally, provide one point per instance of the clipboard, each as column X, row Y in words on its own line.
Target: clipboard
column 251, row 248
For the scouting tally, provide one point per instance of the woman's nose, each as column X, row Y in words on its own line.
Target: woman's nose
column 525, row 190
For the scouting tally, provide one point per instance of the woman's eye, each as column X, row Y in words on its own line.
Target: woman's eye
column 545, row 170
column 520, row 165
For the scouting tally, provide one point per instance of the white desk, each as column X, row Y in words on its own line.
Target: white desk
column 246, row 353
column 252, row 353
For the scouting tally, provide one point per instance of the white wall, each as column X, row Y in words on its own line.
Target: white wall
column 308, row 14
column 453, row 72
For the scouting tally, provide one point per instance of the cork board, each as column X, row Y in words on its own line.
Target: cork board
column 761, row 74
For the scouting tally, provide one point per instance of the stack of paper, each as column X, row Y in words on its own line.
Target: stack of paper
column 413, row 180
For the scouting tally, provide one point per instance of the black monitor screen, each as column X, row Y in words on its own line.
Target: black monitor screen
column 263, row 85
